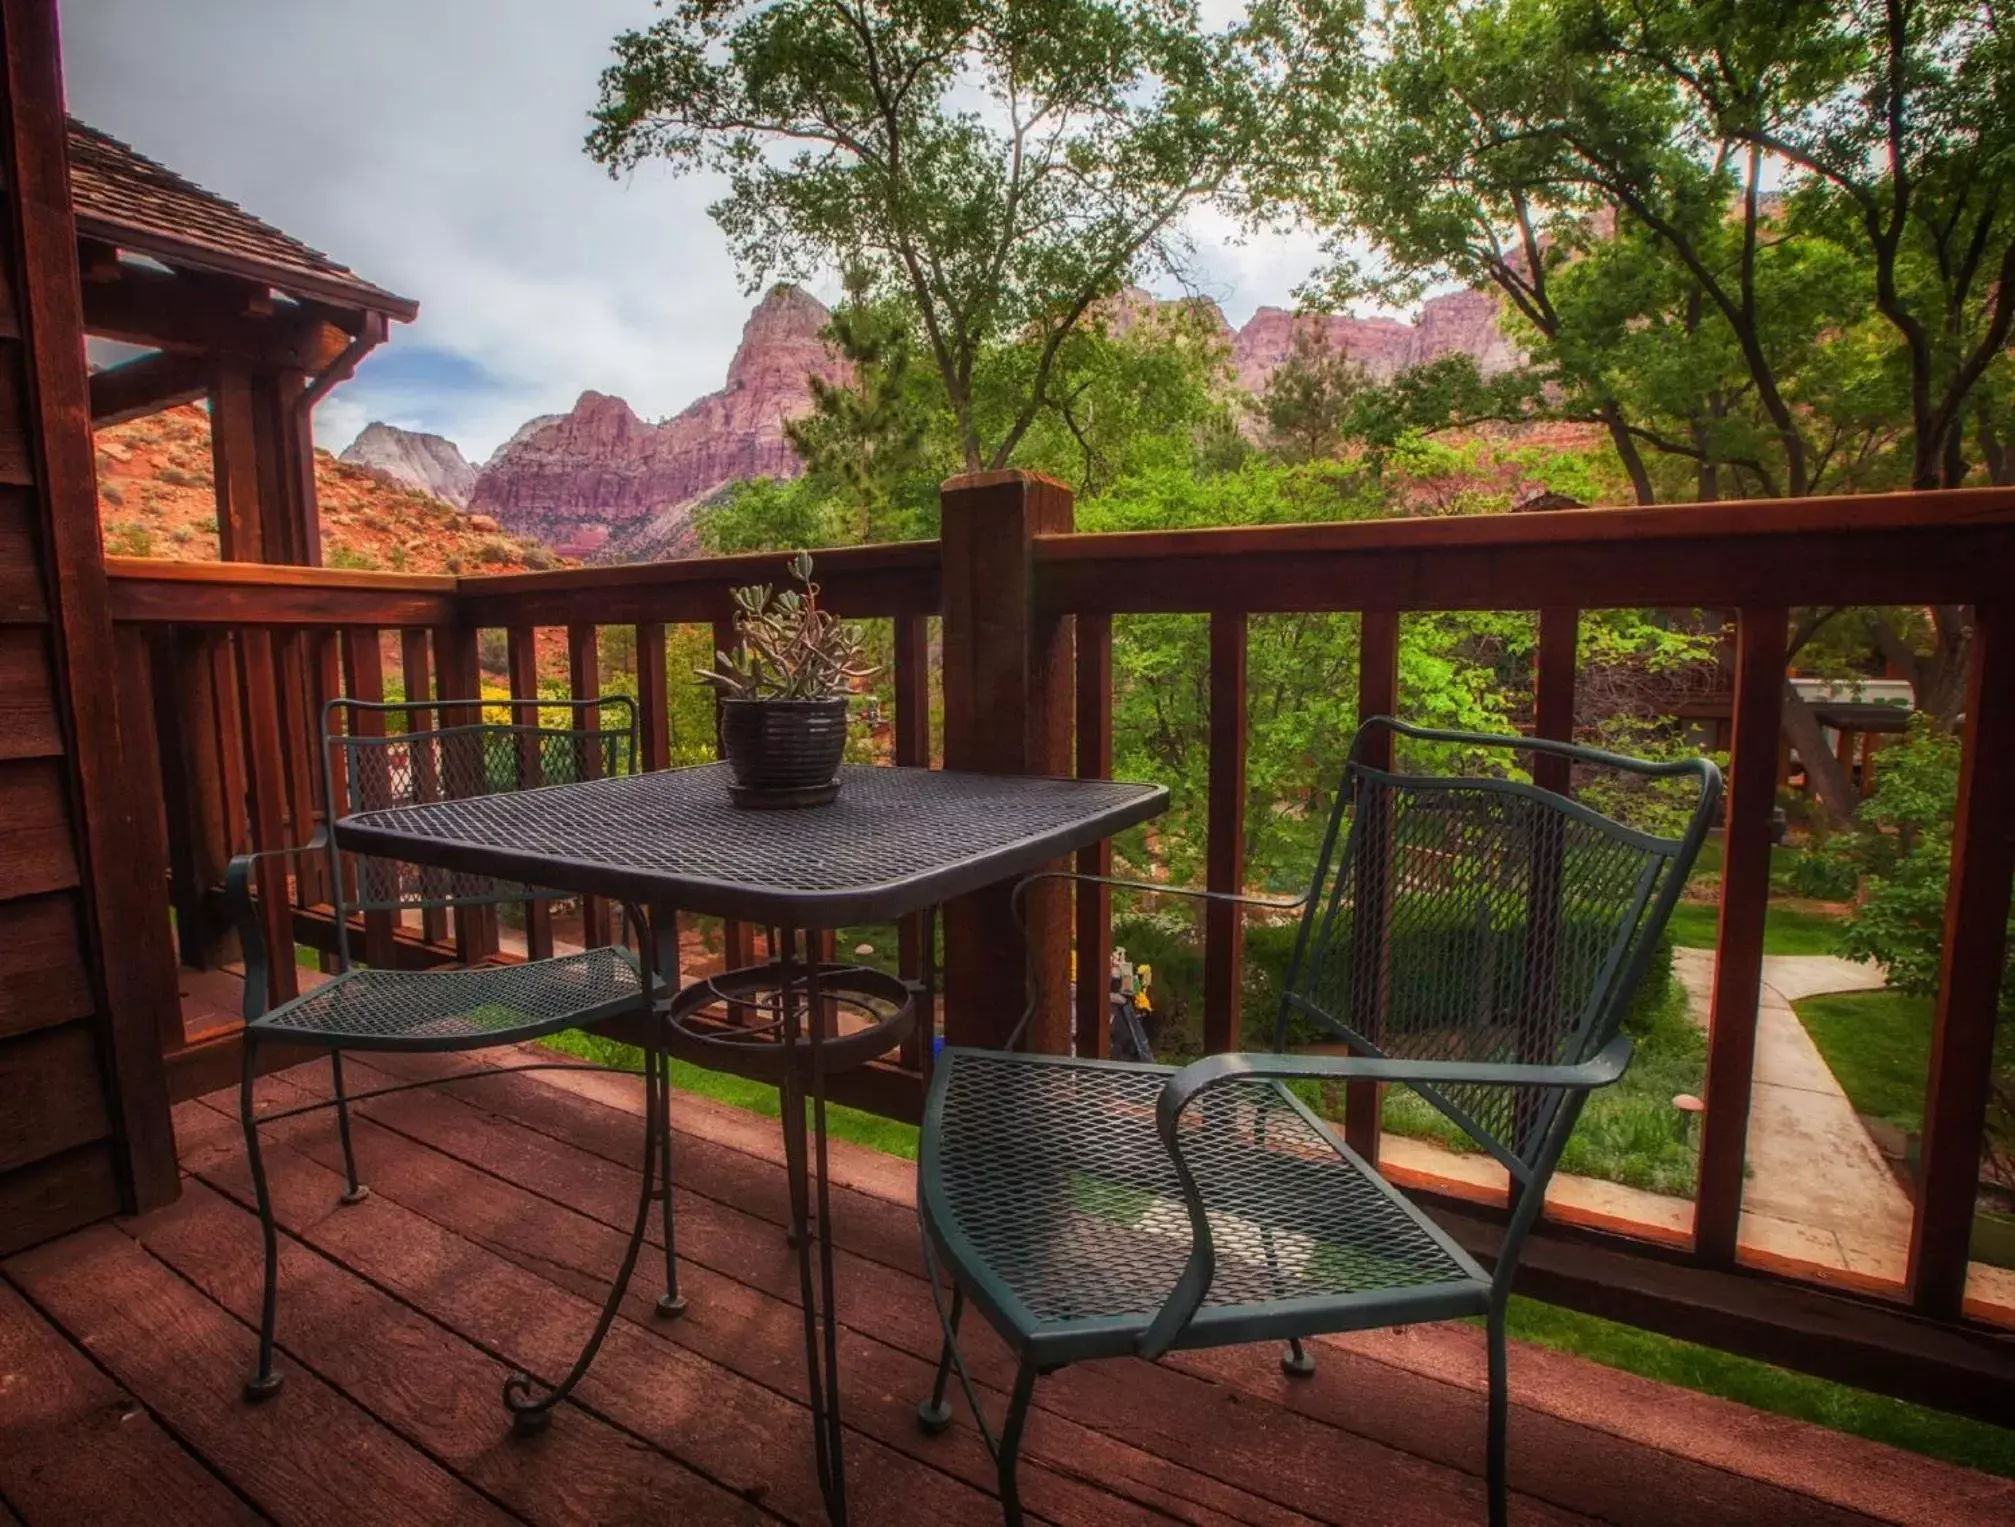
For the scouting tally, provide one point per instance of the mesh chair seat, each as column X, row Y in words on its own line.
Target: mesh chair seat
column 1046, row 1182
column 446, row 1009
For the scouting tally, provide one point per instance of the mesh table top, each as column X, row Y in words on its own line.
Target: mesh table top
column 895, row 840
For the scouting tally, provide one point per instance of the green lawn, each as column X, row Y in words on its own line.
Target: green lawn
column 1785, row 929
column 1878, row 1045
column 1704, row 1369
column 1975, row 1444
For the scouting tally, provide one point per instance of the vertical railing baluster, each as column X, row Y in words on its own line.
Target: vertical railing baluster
column 523, row 650
column 1760, row 640
column 653, row 700
column 911, row 640
column 584, row 678
column 1377, row 695
column 1970, row 973
column 1094, row 902
column 416, row 667
column 1224, row 852
column 364, row 676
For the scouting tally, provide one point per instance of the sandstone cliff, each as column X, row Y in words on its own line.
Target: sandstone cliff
column 599, row 477
column 411, row 459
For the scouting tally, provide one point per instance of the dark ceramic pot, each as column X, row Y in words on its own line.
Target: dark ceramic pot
column 784, row 751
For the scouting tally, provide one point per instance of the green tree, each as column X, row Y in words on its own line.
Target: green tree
column 865, row 433
column 1002, row 166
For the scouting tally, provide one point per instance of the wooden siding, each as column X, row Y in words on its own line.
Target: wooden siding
column 83, row 1101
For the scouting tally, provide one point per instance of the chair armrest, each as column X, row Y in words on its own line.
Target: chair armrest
column 238, row 897
column 1194, row 1080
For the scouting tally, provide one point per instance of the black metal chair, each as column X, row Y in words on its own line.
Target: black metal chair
column 1477, row 939
column 411, row 753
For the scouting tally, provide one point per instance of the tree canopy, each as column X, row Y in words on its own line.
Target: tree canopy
column 1001, row 166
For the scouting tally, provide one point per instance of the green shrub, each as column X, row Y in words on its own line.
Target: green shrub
column 129, row 538
column 353, row 558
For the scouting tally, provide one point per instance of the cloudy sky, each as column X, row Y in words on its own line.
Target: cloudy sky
column 435, row 147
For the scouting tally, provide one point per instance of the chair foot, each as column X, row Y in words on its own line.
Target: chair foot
column 529, row 1423
column 263, row 1386
column 671, row 1306
column 1296, row 1361
column 933, row 1419
column 356, row 1195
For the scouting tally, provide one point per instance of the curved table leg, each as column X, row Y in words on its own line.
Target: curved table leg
column 531, row 1410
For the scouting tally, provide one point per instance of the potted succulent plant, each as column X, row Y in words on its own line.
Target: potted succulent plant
column 785, row 690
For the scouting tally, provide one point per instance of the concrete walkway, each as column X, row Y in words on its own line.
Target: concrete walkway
column 1813, row 1169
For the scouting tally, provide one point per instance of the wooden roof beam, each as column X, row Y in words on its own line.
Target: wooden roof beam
column 146, row 386
column 164, row 311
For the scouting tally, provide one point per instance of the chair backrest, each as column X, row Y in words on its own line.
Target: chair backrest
column 381, row 754
column 1481, row 918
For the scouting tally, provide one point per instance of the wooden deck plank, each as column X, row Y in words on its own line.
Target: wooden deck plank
column 752, row 1438
column 1173, row 1424
column 497, row 1217
column 309, row 1456
column 437, row 1391
column 743, row 1316
column 1438, row 1418
column 72, row 1442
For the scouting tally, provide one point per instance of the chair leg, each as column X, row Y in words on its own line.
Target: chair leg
column 1499, row 1417
column 1009, row 1453
column 934, row 1417
column 356, row 1192
column 265, row 1383
column 1297, row 1360
column 671, row 1302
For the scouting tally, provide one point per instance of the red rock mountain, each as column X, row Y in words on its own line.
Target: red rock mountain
column 601, row 483
column 598, row 481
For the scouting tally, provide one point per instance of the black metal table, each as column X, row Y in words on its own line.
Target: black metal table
column 896, row 841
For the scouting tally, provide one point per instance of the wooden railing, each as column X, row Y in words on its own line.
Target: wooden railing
column 245, row 654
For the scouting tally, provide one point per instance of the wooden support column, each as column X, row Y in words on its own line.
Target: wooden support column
column 1976, row 925
column 911, row 640
column 1552, row 720
column 234, row 455
column 1377, row 695
column 1007, row 711
column 1223, row 924
column 1094, row 902
column 1760, row 641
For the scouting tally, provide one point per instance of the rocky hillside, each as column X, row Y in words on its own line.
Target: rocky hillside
column 156, row 498
column 410, row 459
column 598, row 481
column 1461, row 323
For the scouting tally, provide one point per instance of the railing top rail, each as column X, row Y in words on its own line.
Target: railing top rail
column 1948, row 546
column 271, row 575
column 746, row 567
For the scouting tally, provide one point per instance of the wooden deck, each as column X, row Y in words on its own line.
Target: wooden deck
column 487, row 1241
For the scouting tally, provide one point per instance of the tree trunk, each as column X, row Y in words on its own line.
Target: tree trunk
column 1824, row 777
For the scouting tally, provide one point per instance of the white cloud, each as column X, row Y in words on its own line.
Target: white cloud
column 435, row 147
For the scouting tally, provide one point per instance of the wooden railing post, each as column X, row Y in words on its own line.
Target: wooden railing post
column 1760, row 639
column 1007, row 711
column 1969, row 982
column 1223, row 923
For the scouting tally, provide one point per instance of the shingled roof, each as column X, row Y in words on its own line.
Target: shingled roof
column 124, row 198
